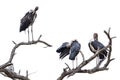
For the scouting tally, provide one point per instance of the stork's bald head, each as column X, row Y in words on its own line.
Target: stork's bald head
column 95, row 36
column 36, row 8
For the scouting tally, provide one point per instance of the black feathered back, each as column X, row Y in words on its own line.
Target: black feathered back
column 98, row 45
column 28, row 20
column 74, row 50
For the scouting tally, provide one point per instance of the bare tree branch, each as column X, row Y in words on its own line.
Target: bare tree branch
column 26, row 43
column 10, row 73
column 82, row 55
column 85, row 62
column 13, row 75
column 39, row 37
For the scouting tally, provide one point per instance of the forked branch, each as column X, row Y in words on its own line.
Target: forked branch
column 9, row 72
column 79, row 69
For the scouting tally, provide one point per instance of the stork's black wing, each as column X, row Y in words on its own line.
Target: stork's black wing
column 26, row 21
column 98, row 45
column 74, row 50
column 64, row 53
column 63, row 50
column 33, row 17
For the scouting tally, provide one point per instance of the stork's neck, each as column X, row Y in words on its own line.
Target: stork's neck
column 95, row 39
column 68, row 45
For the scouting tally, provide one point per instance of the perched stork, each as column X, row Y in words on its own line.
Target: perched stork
column 28, row 20
column 95, row 45
column 72, row 49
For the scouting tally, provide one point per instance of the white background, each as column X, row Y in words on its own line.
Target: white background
column 58, row 21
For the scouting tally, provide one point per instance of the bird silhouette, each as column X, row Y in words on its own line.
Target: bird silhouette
column 95, row 45
column 72, row 49
column 28, row 20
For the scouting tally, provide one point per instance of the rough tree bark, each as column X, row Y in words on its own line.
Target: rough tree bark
column 70, row 72
column 8, row 72
column 66, row 71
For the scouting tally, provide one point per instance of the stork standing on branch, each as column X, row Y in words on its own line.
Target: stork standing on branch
column 96, row 45
column 28, row 20
column 72, row 49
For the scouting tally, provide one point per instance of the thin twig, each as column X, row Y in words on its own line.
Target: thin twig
column 27, row 73
column 11, row 74
column 67, row 66
column 82, row 55
column 14, row 42
column 39, row 37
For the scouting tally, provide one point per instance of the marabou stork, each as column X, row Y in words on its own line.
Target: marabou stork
column 28, row 20
column 72, row 49
column 94, row 46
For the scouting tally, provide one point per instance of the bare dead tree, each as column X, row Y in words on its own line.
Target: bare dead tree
column 9, row 72
column 70, row 72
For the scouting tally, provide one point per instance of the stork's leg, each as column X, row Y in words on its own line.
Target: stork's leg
column 28, row 35
column 32, row 33
column 99, row 62
column 73, row 64
column 76, row 61
column 96, row 60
